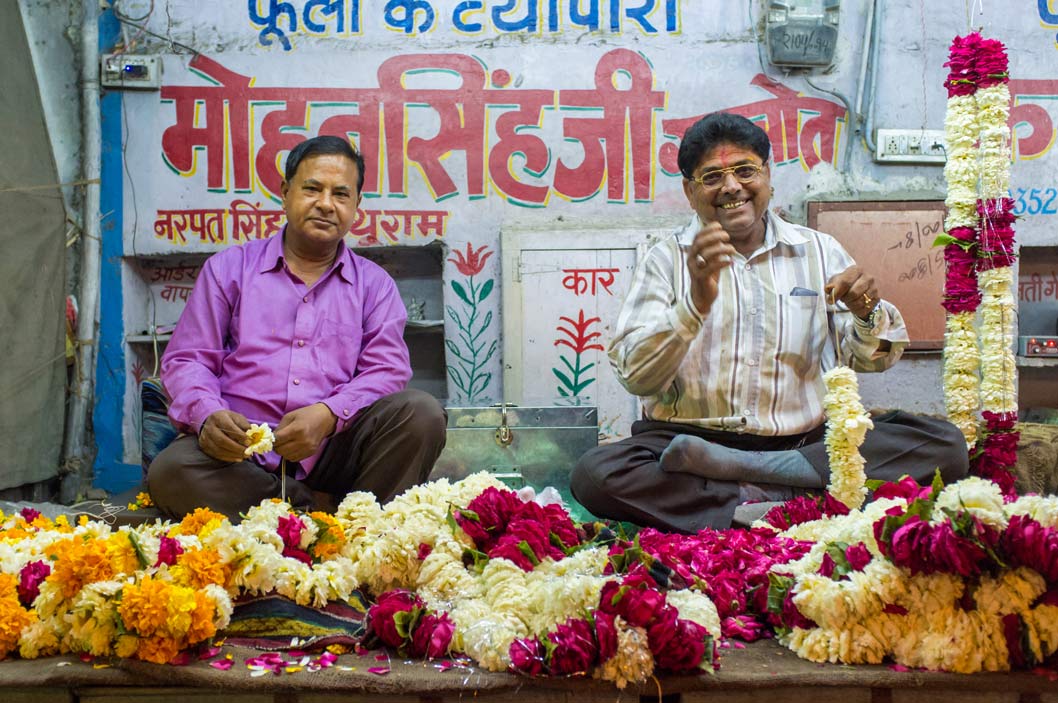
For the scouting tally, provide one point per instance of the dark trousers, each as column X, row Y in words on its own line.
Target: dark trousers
column 391, row 446
column 624, row 481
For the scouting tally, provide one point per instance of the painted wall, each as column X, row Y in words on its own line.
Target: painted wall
column 479, row 117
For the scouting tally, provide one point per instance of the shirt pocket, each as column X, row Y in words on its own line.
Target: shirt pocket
column 802, row 340
column 338, row 350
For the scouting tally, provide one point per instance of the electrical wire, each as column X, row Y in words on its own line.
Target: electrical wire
column 172, row 42
column 120, row 14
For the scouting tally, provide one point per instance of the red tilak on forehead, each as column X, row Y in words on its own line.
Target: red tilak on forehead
column 727, row 154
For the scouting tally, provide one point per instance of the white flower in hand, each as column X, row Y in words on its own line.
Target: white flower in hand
column 260, row 439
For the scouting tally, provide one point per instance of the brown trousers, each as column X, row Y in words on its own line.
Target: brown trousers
column 390, row 446
column 624, row 481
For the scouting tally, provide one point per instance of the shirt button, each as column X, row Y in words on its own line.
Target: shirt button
column 753, row 311
column 301, row 342
column 751, row 362
column 306, row 299
column 297, row 381
column 748, row 267
column 345, row 412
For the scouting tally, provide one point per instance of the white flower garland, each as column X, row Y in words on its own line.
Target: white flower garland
column 998, row 364
column 847, row 425
column 993, row 111
column 962, row 361
column 961, row 354
column 859, row 618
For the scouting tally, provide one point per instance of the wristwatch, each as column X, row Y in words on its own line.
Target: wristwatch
column 871, row 318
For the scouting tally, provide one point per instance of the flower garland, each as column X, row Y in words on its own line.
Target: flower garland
column 979, row 253
column 847, row 425
column 838, row 584
column 997, row 451
column 945, row 578
column 458, row 567
column 961, row 295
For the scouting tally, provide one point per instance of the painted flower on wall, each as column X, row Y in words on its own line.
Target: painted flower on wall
column 472, row 349
column 473, row 262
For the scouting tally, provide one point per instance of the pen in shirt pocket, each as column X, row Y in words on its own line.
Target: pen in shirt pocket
column 799, row 291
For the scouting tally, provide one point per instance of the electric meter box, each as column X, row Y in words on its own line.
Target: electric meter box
column 802, row 33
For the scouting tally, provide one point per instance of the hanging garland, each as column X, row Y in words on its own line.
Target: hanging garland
column 979, row 252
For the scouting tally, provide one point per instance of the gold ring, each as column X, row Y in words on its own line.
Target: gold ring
column 867, row 300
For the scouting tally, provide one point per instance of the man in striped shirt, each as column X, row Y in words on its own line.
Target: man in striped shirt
column 725, row 334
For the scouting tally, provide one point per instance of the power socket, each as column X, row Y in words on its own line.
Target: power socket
column 910, row 146
column 131, row 71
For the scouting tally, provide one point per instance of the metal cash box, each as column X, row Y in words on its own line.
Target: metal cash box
column 521, row 446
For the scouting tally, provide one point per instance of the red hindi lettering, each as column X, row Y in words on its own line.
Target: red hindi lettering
column 780, row 117
column 461, row 112
column 1038, row 141
column 180, row 140
column 603, row 137
column 511, row 141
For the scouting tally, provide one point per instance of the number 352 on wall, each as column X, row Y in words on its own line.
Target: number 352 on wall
column 1035, row 201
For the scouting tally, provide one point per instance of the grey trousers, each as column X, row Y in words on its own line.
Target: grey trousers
column 624, row 481
column 390, row 446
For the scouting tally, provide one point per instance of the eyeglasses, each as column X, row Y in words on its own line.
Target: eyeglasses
column 743, row 173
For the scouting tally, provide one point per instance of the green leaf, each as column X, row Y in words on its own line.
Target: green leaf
column 492, row 350
column 475, row 560
column 454, row 315
column 461, row 292
column 457, row 376
column 139, row 551
column 873, row 484
column 404, row 621
column 525, row 549
column 938, row 482
column 562, row 377
column 582, row 385
column 836, row 550
column 778, row 586
column 485, row 290
column 450, row 518
column 944, row 240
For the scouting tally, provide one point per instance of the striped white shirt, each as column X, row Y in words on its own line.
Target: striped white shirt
column 755, row 364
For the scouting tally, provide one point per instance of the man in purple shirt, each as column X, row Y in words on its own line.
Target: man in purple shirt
column 298, row 332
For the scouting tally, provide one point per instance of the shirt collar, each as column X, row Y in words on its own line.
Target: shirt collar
column 273, row 257
column 778, row 231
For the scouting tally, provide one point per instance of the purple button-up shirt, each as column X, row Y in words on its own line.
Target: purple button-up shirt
column 255, row 339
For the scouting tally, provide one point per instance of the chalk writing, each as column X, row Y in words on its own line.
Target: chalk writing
column 1038, row 288
column 582, row 281
column 1035, row 201
column 248, row 221
column 799, row 128
column 921, row 236
column 614, row 127
column 276, row 20
column 173, row 292
column 925, row 267
column 174, row 273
